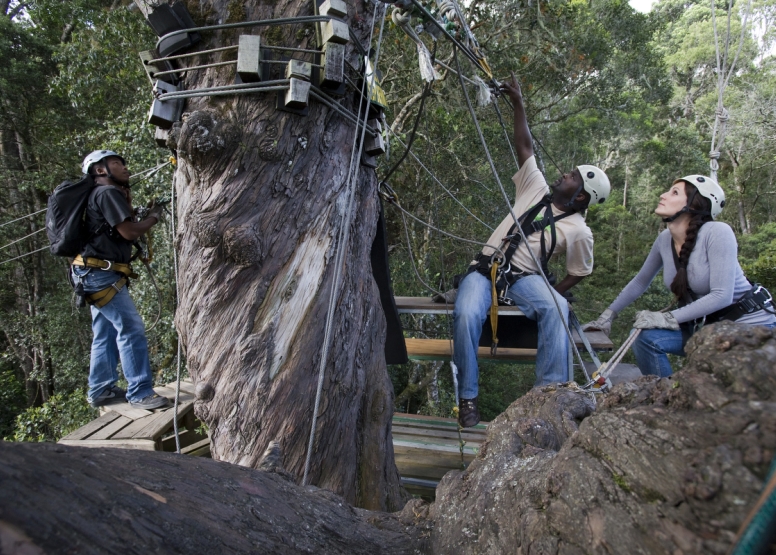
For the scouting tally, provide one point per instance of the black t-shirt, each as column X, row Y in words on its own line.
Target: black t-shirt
column 107, row 204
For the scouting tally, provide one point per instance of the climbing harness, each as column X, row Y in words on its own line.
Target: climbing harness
column 103, row 296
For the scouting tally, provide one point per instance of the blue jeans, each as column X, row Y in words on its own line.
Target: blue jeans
column 119, row 333
column 532, row 297
column 651, row 349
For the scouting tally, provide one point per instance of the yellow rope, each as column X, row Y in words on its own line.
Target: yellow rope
column 494, row 307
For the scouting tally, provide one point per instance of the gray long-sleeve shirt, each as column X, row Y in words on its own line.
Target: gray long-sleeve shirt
column 713, row 273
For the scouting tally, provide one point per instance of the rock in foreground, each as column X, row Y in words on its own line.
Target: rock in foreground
column 660, row 466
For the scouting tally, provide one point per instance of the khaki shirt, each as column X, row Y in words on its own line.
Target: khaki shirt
column 573, row 236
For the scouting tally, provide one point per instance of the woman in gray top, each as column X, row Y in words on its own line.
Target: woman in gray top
column 686, row 251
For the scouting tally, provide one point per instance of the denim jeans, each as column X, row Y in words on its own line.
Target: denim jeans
column 651, row 348
column 532, row 297
column 119, row 333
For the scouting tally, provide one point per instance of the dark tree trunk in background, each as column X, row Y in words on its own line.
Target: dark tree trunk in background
column 261, row 198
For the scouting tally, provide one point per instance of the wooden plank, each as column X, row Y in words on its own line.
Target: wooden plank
column 203, row 451
column 598, row 340
column 436, row 435
column 467, row 432
column 169, row 392
column 196, row 447
column 431, row 450
column 162, row 422
column 187, row 438
column 118, row 424
column 130, row 431
column 439, row 349
column 95, row 425
column 143, row 444
column 186, row 386
column 125, row 409
column 424, row 305
column 406, row 417
column 411, row 469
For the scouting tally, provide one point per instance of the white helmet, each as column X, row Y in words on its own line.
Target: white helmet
column 707, row 188
column 96, row 156
column 595, row 183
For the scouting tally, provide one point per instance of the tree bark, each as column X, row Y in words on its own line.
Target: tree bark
column 60, row 499
column 261, row 196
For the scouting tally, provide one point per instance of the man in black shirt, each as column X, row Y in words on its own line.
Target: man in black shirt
column 103, row 270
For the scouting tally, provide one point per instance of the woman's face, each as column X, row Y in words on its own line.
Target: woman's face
column 672, row 201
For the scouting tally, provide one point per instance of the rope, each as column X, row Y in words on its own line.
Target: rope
column 23, row 238
column 153, row 172
column 426, row 90
column 23, row 255
column 177, row 296
column 22, row 217
column 342, row 243
column 514, row 217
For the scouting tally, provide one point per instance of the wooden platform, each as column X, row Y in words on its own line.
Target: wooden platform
column 440, row 349
column 428, row 447
column 425, row 447
column 121, row 426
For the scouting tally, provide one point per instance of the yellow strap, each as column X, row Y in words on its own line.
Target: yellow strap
column 494, row 307
column 104, row 296
column 90, row 262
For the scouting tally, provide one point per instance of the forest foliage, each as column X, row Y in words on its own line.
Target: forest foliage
column 633, row 93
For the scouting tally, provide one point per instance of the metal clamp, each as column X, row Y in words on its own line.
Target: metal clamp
column 387, row 193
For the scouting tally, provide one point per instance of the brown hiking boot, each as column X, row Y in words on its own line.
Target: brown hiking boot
column 468, row 415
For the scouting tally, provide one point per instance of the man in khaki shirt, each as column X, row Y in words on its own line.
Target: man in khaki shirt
column 570, row 195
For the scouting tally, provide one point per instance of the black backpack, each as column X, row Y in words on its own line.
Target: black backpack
column 65, row 225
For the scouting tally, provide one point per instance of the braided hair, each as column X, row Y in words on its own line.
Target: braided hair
column 700, row 213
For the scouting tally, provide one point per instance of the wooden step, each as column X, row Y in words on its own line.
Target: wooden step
column 424, row 305
column 440, row 349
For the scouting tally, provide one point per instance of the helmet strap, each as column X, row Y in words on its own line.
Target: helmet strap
column 570, row 204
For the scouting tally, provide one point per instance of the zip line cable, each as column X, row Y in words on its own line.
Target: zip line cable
column 23, row 255
column 344, row 235
column 266, row 23
column 426, row 91
column 22, row 238
column 506, row 134
column 22, row 217
column 437, row 181
column 515, row 218
column 538, row 142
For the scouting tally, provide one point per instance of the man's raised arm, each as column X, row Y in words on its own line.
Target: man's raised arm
column 523, row 142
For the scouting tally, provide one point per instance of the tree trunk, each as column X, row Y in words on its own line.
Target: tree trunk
column 262, row 195
column 60, row 499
